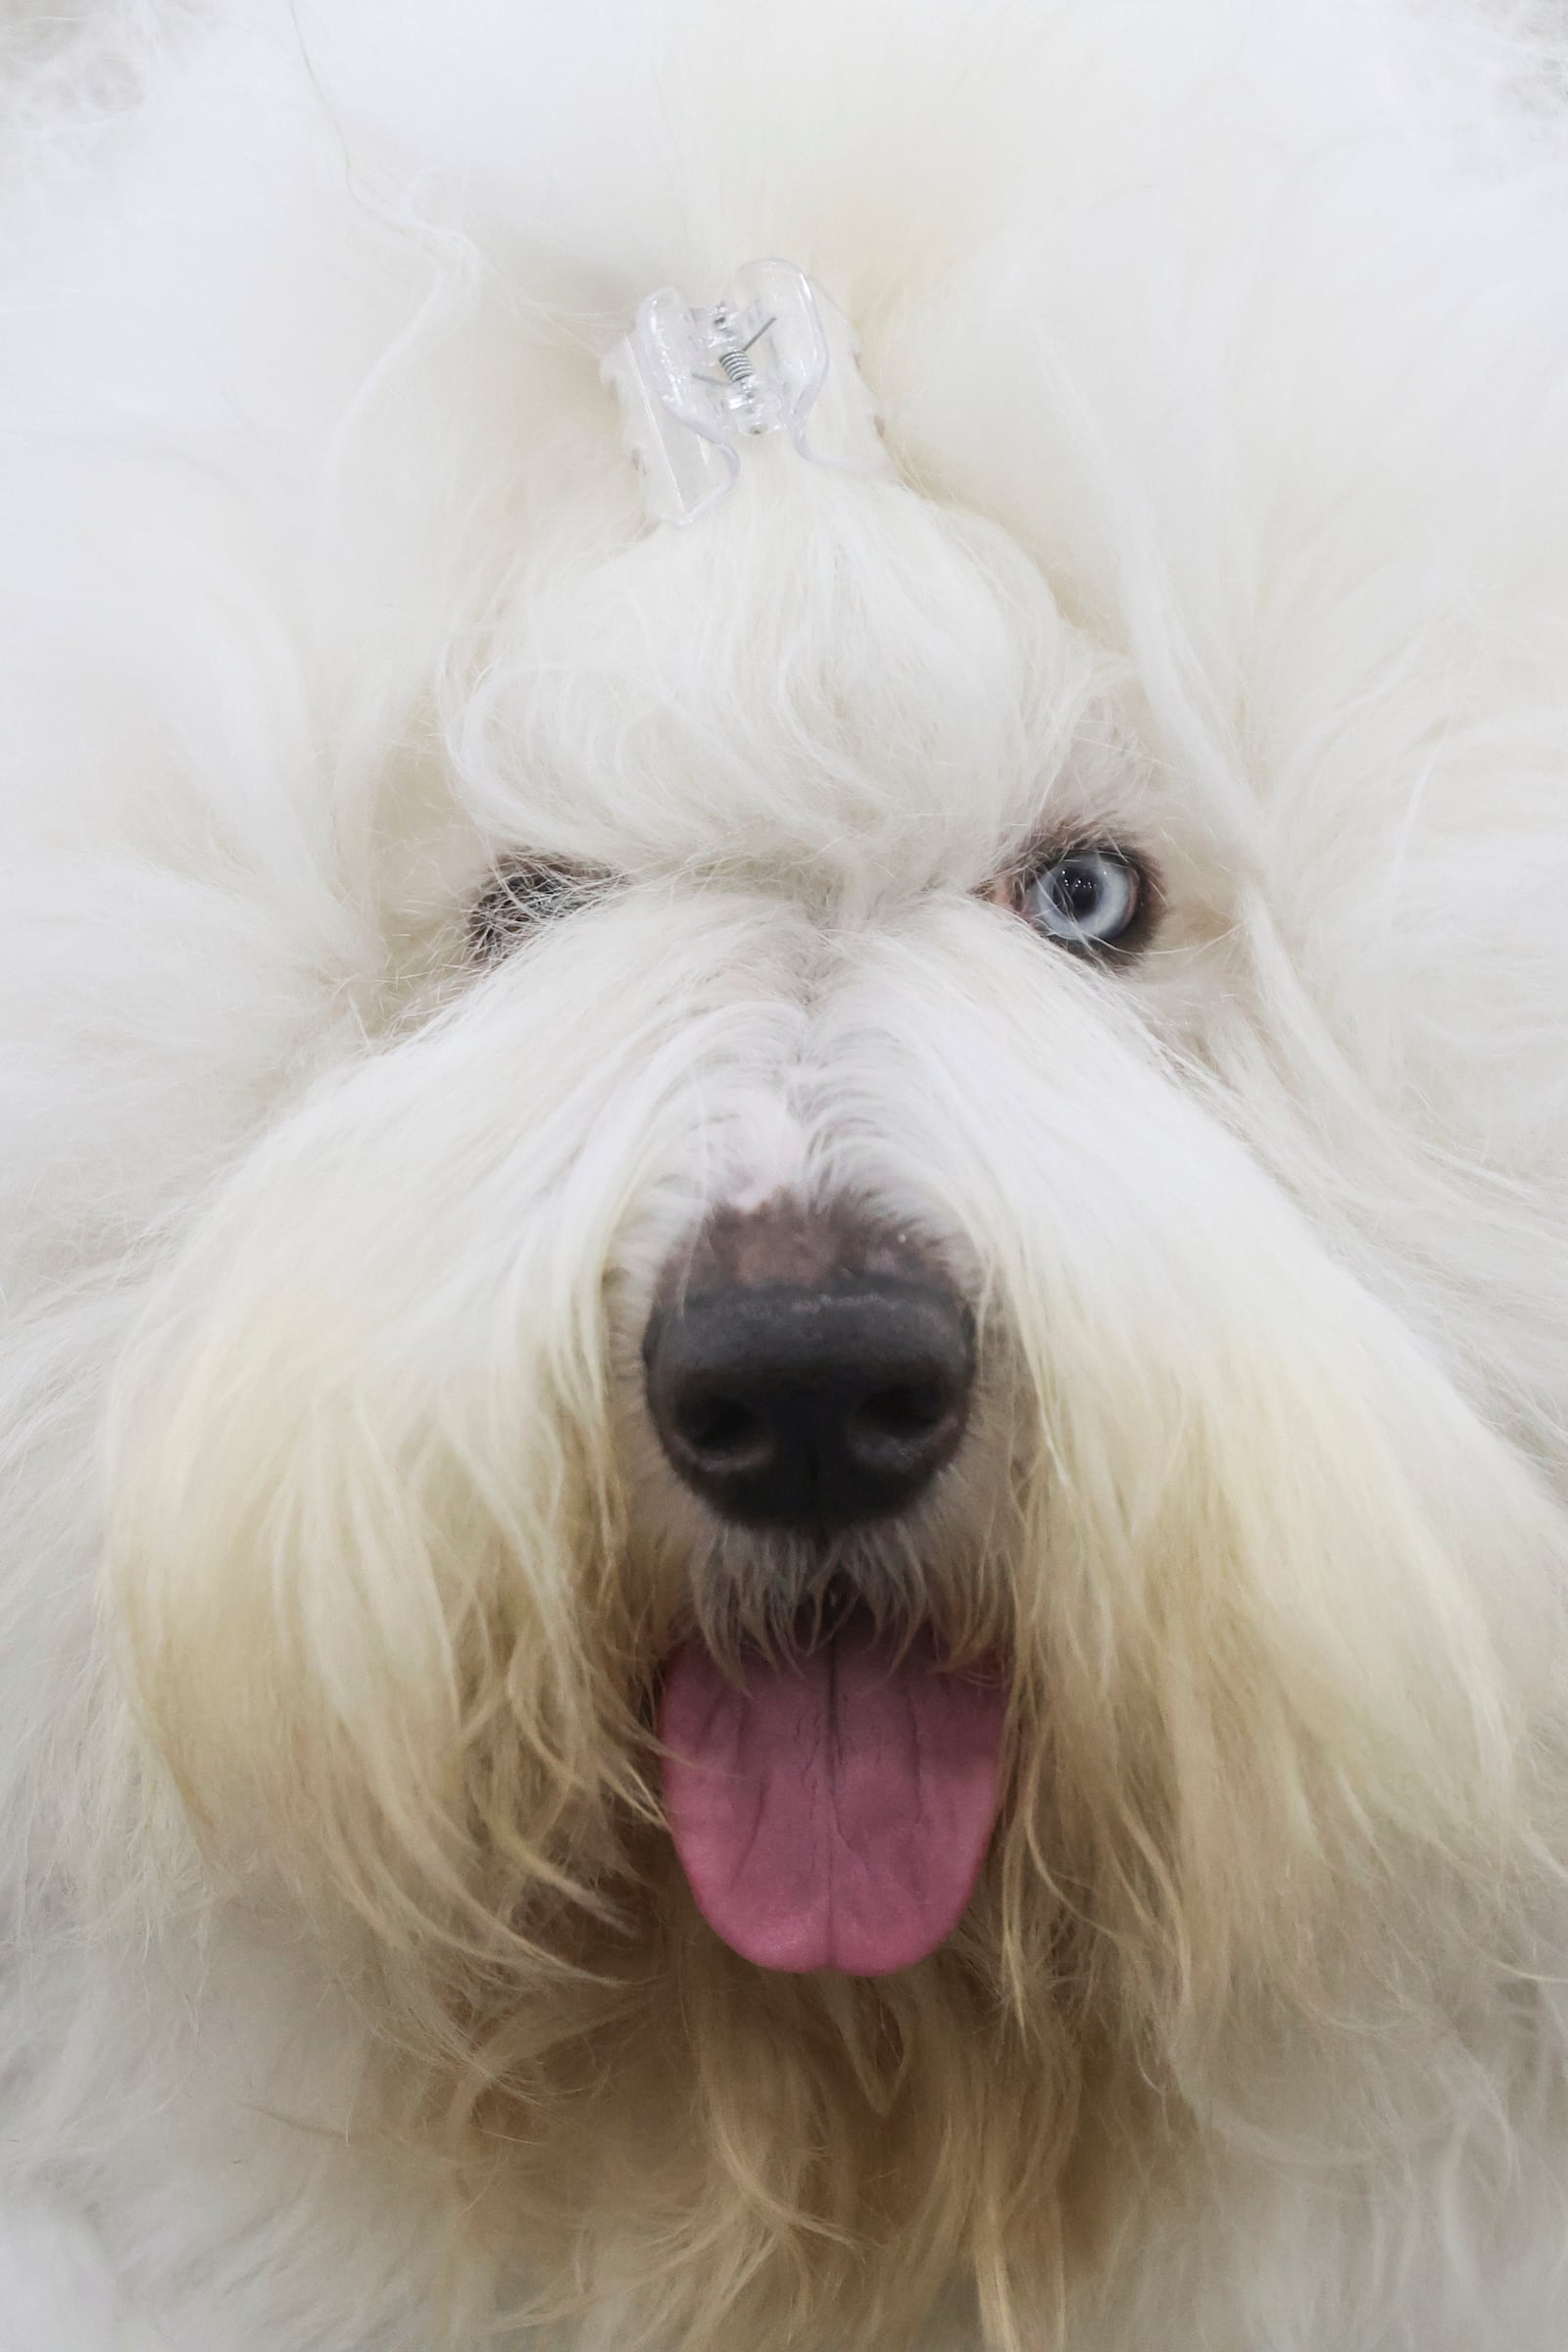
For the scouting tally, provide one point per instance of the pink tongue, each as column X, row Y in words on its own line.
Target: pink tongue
column 836, row 1811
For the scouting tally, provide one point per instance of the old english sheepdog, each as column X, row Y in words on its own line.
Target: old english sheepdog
column 784, row 976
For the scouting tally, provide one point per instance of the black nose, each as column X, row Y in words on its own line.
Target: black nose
column 811, row 1403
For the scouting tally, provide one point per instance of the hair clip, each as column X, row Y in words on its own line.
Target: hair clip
column 774, row 356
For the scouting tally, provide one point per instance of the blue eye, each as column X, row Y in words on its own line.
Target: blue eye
column 1086, row 898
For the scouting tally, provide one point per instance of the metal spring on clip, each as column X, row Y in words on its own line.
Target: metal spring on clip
column 738, row 368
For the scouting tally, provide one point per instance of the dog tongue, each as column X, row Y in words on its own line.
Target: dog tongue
column 834, row 1811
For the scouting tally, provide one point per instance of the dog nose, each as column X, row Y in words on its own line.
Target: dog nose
column 812, row 1373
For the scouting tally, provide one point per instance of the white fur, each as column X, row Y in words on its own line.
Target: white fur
column 350, row 1997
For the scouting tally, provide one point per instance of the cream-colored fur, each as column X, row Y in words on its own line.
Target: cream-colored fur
column 355, row 2000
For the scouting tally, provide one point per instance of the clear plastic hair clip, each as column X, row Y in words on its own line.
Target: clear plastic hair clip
column 775, row 355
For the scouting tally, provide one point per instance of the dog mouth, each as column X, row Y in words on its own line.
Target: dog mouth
column 832, row 1798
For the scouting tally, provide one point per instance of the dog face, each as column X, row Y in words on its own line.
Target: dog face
column 802, row 1272
column 836, row 1498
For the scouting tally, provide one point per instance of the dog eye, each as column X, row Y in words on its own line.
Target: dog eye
column 522, row 898
column 1087, row 898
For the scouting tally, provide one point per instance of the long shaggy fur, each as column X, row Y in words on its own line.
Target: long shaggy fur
column 353, row 1999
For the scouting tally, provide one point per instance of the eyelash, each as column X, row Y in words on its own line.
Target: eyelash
column 523, row 897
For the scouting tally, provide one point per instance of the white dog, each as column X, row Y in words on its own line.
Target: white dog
column 785, row 1199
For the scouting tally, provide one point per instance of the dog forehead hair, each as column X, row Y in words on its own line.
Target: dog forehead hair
column 828, row 676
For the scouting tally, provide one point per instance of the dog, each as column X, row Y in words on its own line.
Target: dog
column 785, row 1200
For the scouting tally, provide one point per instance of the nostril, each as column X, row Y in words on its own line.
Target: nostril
column 901, row 1414
column 723, row 1435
